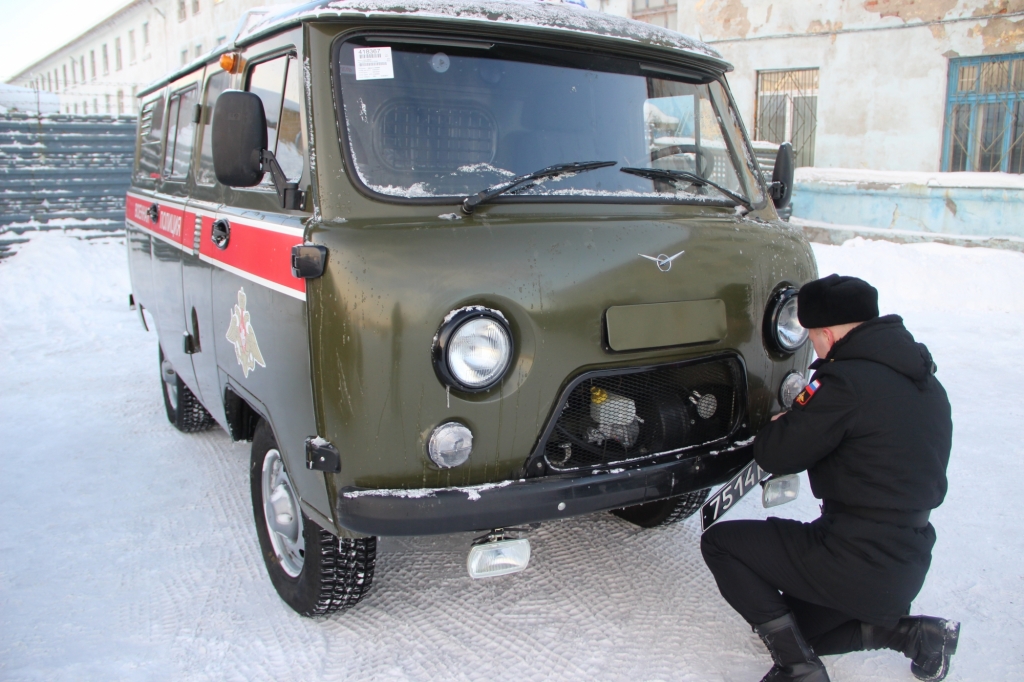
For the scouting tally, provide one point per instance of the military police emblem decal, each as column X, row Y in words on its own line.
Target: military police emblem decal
column 241, row 334
column 809, row 390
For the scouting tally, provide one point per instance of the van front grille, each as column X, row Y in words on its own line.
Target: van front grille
column 608, row 417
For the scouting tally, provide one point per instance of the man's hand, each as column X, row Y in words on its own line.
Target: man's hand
column 779, row 415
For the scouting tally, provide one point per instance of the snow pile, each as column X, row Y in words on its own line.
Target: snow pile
column 876, row 179
column 128, row 552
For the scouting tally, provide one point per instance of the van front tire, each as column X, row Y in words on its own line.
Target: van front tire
column 184, row 410
column 314, row 572
column 663, row 512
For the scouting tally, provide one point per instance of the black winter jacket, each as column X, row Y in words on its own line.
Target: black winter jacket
column 876, row 433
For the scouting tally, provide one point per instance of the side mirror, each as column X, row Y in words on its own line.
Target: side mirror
column 781, row 188
column 239, row 138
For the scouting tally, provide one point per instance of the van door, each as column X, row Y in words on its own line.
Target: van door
column 174, row 227
column 259, row 307
column 207, row 196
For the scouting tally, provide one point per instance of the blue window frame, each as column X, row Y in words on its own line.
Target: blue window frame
column 985, row 115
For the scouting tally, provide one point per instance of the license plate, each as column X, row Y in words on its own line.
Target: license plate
column 731, row 493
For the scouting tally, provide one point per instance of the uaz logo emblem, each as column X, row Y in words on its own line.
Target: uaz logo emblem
column 664, row 262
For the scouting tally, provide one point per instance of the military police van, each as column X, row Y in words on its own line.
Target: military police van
column 462, row 266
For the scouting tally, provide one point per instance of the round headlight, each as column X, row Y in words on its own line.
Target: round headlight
column 790, row 389
column 450, row 445
column 473, row 349
column 784, row 331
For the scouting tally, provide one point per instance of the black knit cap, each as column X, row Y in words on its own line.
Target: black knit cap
column 835, row 300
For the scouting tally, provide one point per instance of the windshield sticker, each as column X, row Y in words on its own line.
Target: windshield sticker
column 373, row 63
column 242, row 336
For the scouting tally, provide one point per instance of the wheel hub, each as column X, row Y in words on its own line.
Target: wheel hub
column 282, row 514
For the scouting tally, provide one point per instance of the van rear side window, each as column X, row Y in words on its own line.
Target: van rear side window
column 180, row 133
column 215, row 84
column 151, row 126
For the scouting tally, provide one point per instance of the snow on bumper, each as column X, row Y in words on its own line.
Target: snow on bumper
column 435, row 511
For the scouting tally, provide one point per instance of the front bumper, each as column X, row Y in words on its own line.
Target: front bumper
column 435, row 511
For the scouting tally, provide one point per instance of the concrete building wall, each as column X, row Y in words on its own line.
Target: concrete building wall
column 883, row 65
column 100, row 71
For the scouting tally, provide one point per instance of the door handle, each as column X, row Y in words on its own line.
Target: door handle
column 153, row 212
column 221, row 233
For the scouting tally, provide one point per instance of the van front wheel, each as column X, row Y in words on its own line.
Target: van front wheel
column 663, row 512
column 184, row 410
column 315, row 572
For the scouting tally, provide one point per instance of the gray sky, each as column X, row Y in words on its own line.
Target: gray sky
column 34, row 28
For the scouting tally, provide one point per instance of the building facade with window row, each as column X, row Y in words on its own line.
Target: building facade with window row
column 898, row 85
column 100, row 71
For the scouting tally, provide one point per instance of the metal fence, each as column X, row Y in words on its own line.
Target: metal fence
column 787, row 110
column 985, row 115
column 64, row 166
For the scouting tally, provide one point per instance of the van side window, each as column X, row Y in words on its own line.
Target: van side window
column 180, row 134
column 215, row 84
column 290, row 148
column 151, row 127
column 278, row 83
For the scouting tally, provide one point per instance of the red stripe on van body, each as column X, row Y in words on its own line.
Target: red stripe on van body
column 172, row 222
column 260, row 252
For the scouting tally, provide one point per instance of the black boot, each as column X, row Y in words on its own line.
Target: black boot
column 928, row 643
column 794, row 659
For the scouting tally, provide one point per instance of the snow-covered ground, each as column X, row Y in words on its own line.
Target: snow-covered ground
column 127, row 549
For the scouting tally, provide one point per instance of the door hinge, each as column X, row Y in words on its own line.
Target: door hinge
column 308, row 260
column 322, row 456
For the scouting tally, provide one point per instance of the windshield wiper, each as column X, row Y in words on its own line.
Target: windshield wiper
column 470, row 203
column 677, row 175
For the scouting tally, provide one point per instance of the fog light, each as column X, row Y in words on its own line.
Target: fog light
column 790, row 389
column 780, row 490
column 503, row 557
column 450, row 445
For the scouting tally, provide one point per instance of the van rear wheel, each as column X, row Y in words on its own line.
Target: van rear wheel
column 184, row 410
column 663, row 512
column 314, row 571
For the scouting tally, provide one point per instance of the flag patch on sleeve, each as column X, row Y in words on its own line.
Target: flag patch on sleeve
column 808, row 392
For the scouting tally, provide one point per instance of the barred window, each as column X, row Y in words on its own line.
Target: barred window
column 787, row 110
column 658, row 12
column 985, row 115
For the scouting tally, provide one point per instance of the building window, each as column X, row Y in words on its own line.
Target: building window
column 181, row 10
column 195, row 6
column 120, row 102
column 107, row 99
column 117, row 53
column 658, row 12
column 131, row 47
column 184, row 57
column 106, row 61
column 220, row 40
column 64, row 70
column 199, row 50
column 82, row 65
column 74, row 71
column 95, row 106
column 92, row 63
column 787, row 110
column 985, row 115
column 145, row 34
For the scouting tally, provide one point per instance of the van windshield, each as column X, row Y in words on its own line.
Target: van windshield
column 436, row 119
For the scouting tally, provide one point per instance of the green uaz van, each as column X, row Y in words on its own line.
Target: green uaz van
column 461, row 267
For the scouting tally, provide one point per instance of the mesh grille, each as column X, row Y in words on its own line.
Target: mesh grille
column 632, row 415
column 434, row 138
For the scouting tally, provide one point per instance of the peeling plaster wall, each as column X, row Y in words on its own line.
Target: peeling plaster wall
column 882, row 93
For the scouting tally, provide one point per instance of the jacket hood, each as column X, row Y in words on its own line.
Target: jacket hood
column 886, row 341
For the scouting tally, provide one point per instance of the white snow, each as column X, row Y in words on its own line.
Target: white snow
column 127, row 549
column 858, row 176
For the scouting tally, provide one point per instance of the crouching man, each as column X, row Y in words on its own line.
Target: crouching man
column 873, row 430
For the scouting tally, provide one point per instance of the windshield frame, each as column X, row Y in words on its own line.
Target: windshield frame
column 734, row 132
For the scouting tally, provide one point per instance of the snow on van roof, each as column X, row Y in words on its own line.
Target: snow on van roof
column 555, row 15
